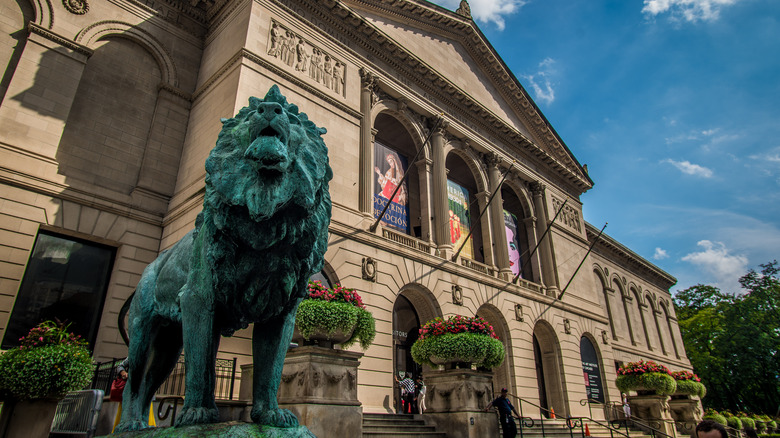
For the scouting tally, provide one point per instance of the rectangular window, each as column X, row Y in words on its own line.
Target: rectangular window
column 66, row 280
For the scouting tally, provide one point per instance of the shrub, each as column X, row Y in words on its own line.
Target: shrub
column 713, row 415
column 734, row 422
column 661, row 383
column 478, row 349
column 747, row 422
column 690, row 387
column 49, row 363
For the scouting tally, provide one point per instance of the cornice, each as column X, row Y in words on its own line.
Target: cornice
column 61, row 40
column 615, row 251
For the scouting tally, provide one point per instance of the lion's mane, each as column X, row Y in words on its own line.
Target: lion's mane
column 266, row 210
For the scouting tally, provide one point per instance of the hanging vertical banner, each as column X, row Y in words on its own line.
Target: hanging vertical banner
column 389, row 167
column 513, row 242
column 591, row 370
column 460, row 219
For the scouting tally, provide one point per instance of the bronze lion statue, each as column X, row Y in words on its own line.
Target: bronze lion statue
column 262, row 233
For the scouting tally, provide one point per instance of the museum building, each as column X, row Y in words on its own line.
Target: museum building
column 109, row 108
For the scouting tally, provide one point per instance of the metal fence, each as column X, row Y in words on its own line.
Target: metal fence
column 226, row 372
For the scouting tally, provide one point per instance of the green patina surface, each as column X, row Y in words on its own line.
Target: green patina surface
column 231, row 429
column 262, row 233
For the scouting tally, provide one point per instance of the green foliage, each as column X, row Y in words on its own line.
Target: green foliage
column 691, row 387
column 330, row 316
column 479, row 349
column 713, row 415
column 733, row 340
column 747, row 422
column 661, row 383
column 44, row 372
column 770, row 435
column 734, row 422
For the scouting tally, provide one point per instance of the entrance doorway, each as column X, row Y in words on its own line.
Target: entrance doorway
column 549, row 371
column 540, row 375
column 406, row 326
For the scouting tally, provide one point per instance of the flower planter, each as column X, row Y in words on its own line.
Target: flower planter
column 458, row 342
column 333, row 316
column 322, row 338
column 29, row 418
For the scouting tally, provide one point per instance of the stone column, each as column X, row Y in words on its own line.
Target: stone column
column 365, row 203
column 533, row 237
column 440, row 206
column 500, row 245
column 424, row 167
column 484, row 225
column 455, row 402
column 36, row 106
column 549, row 278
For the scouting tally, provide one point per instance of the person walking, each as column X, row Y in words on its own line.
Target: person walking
column 505, row 410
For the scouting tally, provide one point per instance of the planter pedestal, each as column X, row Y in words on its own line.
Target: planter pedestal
column 655, row 410
column 27, row 419
column 686, row 412
column 319, row 385
column 455, row 402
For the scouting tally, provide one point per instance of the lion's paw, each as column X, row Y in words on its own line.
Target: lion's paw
column 130, row 426
column 189, row 416
column 275, row 417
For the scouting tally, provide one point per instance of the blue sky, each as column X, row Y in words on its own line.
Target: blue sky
column 674, row 105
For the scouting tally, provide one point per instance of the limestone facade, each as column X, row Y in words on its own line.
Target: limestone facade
column 109, row 108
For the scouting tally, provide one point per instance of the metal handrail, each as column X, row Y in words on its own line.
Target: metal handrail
column 616, row 423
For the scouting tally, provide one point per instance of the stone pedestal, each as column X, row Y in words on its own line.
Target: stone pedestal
column 455, row 403
column 687, row 412
column 319, row 385
column 655, row 410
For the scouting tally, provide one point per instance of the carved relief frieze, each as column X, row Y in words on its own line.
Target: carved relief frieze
column 569, row 216
column 306, row 58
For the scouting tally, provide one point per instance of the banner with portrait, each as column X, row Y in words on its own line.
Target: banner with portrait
column 513, row 242
column 460, row 219
column 389, row 168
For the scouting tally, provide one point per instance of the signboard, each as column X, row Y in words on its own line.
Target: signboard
column 389, row 168
column 591, row 370
column 513, row 242
column 460, row 219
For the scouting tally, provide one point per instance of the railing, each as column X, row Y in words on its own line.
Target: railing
column 405, row 240
column 226, row 373
column 613, row 413
column 477, row 266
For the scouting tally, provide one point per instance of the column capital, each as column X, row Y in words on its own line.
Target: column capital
column 537, row 188
column 367, row 79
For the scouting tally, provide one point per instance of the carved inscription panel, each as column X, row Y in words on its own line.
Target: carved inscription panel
column 306, row 59
column 569, row 216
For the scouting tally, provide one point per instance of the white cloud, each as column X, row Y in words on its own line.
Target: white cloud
column 689, row 168
column 716, row 260
column 487, row 11
column 688, row 10
column 540, row 81
column 660, row 254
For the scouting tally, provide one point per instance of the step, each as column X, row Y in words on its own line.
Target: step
column 397, row 426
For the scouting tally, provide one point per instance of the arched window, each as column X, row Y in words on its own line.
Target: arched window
column 591, row 369
column 517, row 234
column 464, row 209
column 393, row 148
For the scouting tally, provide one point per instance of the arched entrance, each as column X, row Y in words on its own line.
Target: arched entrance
column 413, row 307
column 549, row 370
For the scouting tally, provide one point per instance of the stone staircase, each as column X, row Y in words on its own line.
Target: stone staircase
column 397, row 426
column 558, row 429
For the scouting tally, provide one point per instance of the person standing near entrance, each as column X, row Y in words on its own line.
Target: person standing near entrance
column 407, row 394
column 505, row 410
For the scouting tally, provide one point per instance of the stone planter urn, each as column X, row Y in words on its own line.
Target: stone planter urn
column 455, row 402
column 322, row 338
column 29, row 418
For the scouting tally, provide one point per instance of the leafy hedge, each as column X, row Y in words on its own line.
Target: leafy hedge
column 661, row 383
column 747, row 423
column 716, row 417
column 734, row 422
column 478, row 349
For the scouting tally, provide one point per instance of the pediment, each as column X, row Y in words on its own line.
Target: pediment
column 447, row 51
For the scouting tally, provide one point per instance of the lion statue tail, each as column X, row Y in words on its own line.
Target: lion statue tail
column 123, row 317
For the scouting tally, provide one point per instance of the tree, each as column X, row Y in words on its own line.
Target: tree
column 733, row 341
